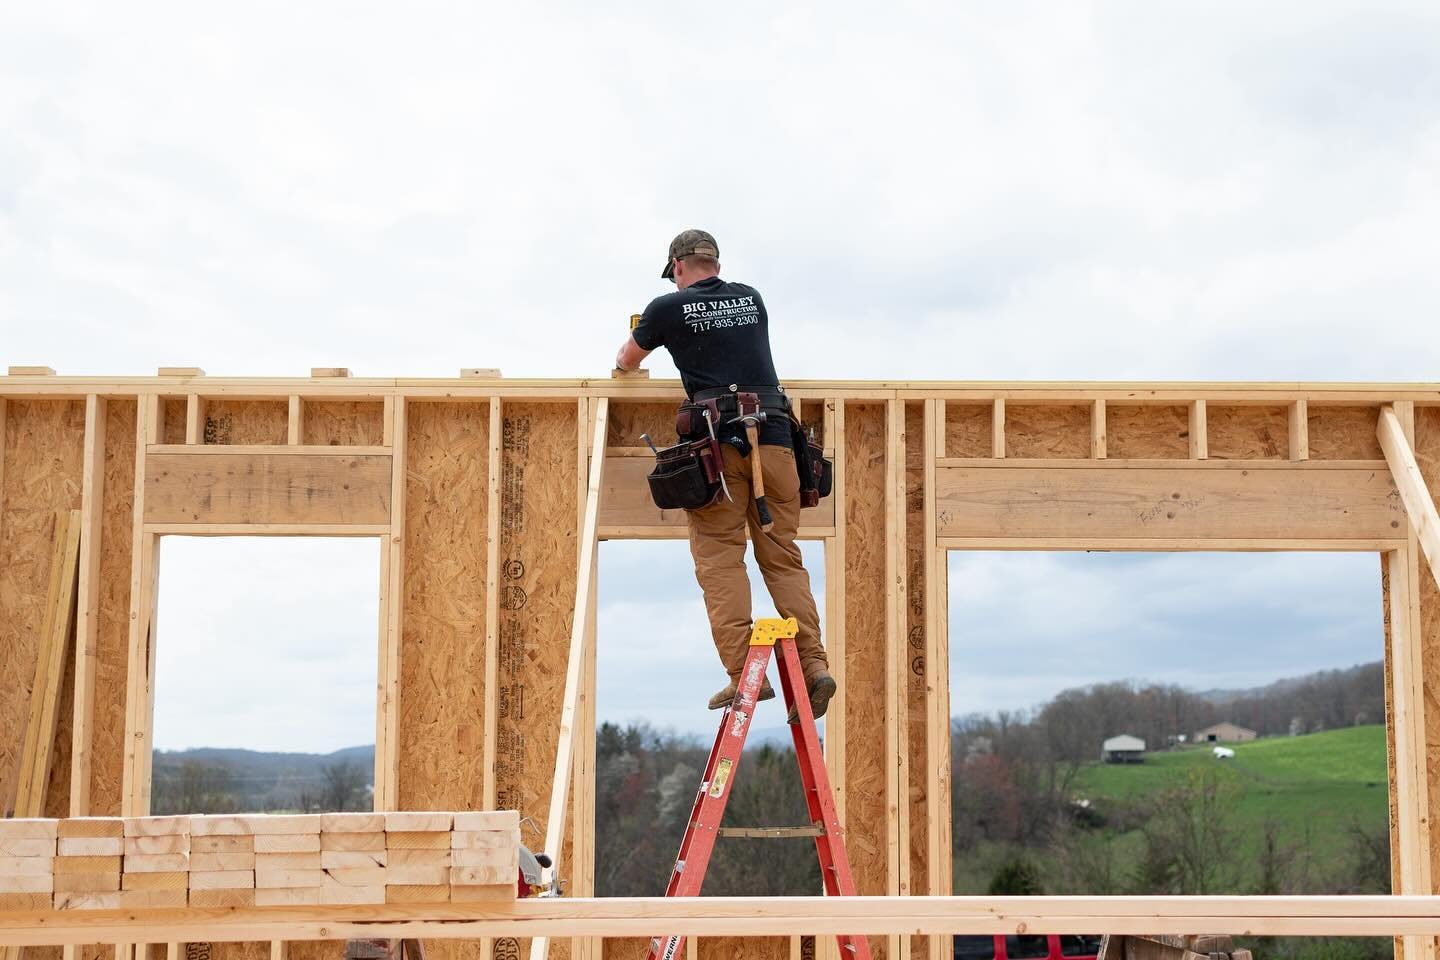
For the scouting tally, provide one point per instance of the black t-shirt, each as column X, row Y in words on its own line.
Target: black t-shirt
column 718, row 333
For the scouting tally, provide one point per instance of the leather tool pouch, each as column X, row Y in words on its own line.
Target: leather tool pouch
column 690, row 420
column 686, row 476
column 816, row 473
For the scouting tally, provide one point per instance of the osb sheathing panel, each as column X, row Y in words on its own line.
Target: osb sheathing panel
column 246, row 422
column 915, row 661
column 113, row 625
column 1147, row 433
column 345, row 423
column 1248, row 433
column 1427, row 452
column 743, row 948
column 44, row 450
column 443, row 699
column 1047, row 431
column 1344, row 433
column 538, row 552
column 865, row 727
column 968, row 428
column 172, row 419
column 627, row 421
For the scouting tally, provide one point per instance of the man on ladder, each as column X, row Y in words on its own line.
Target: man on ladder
column 718, row 334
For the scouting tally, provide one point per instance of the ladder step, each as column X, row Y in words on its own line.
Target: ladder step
column 758, row 833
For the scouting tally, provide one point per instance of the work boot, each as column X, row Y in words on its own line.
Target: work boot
column 821, row 688
column 722, row 699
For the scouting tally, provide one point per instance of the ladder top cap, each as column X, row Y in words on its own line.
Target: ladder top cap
column 769, row 629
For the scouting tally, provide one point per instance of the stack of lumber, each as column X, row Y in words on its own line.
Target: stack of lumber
column 484, row 852
column 27, row 864
column 417, row 849
column 87, row 863
column 157, row 862
column 109, row 863
column 1171, row 947
column 353, row 858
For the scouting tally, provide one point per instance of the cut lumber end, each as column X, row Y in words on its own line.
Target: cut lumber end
column 32, row 371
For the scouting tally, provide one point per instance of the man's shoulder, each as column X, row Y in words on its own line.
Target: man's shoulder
column 667, row 301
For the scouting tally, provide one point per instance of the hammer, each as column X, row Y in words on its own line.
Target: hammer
column 752, row 423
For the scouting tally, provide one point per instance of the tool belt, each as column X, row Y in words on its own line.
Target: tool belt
column 688, row 475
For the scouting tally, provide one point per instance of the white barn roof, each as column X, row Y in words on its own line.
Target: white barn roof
column 1123, row 742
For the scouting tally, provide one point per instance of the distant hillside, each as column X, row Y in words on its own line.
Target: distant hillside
column 223, row 780
column 1314, row 786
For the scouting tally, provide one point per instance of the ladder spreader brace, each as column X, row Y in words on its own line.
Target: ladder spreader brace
column 704, row 823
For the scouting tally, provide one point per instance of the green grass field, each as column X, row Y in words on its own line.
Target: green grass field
column 1321, row 782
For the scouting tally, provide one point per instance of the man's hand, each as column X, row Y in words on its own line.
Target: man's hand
column 631, row 355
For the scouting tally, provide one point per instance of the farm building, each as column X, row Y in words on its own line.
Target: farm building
column 1123, row 749
column 1225, row 732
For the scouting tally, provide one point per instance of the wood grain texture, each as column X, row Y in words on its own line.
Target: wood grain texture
column 865, row 615
column 1147, row 433
column 1159, row 502
column 539, row 506
column 349, row 423
column 229, row 422
column 967, row 429
column 44, row 443
column 443, row 700
column 172, row 419
column 1046, row 430
column 1427, row 455
column 112, row 637
column 917, row 666
column 1248, row 433
column 1344, row 433
column 267, row 488
column 627, row 420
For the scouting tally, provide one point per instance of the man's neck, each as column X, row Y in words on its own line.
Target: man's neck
column 691, row 283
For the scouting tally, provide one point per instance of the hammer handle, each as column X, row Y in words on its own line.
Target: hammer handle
column 757, row 477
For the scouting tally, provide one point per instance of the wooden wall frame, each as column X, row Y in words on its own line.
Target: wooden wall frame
column 488, row 495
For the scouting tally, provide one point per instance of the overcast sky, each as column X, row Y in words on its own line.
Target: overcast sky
column 1065, row 190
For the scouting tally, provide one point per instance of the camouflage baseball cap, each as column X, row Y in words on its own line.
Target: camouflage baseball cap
column 688, row 242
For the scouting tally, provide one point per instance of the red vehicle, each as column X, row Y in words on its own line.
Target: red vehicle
column 1028, row 946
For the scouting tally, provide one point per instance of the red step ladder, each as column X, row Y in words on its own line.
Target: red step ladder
column 709, row 809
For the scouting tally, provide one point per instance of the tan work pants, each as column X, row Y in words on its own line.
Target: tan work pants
column 717, row 542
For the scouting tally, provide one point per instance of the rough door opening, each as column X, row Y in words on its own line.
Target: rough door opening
column 656, row 668
column 1257, row 684
column 265, row 676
